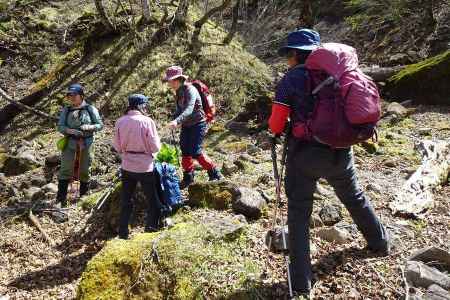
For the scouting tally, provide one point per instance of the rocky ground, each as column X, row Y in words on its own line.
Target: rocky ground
column 32, row 269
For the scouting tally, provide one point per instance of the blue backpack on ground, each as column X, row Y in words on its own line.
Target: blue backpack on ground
column 168, row 187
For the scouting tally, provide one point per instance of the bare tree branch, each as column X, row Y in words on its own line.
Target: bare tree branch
column 26, row 107
column 234, row 24
column 196, row 44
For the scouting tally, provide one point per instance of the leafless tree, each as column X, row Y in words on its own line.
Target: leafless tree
column 145, row 10
column 103, row 15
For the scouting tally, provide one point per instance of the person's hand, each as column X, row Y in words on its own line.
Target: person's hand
column 74, row 132
column 87, row 127
column 172, row 125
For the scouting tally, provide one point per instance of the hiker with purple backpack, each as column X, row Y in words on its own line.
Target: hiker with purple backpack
column 193, row 112
column 331, row 105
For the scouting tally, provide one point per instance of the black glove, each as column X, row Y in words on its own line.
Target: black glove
column 276, row 140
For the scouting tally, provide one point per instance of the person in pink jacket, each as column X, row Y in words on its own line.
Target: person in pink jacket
column 137, row 141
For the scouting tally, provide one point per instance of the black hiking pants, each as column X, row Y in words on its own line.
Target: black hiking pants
column 147, row 182
column 306, row 163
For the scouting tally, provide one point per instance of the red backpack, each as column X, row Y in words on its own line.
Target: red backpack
column 345, row 102
column 207, row 100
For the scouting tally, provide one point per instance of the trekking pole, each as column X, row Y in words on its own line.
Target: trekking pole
column 75, row 188
column 278, row 183
column 174, row 143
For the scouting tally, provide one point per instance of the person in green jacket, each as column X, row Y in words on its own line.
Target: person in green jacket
column 77, row 122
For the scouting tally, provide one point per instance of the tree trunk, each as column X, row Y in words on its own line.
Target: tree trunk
column 196, row 45
column 145, row 10
column 416, row 195
column 306, row 18
column 103, row 15
column 234, row 25
column 182, row 11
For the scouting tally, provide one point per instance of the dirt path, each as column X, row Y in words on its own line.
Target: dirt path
column 30, row 269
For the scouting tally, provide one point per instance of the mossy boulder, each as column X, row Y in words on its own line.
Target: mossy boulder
column 184, row 262
column 215, row 194
column 426, row 82
column 14, row 165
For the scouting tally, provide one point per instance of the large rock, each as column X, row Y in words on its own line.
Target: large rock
column 426, row 82
column 435, row 292
column 432, row 255
column 330, row 215
column 182, row 262
column 224, row 227
column 250, row 203
column 33, row 193
column 214, row 194
column 421, row 275
column 14, row 165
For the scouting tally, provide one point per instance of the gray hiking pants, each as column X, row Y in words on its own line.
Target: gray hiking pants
column 306, row 163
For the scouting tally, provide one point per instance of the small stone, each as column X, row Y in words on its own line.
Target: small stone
column 242, row 165
column 249, row 158
column 390, row 163
column 397, row 109
column 421, row 275
column 264, row 141
column 38, row 181
column 333, row 234
column 374, row 188
column 370, row 147
column 250, row 204
column 240, row 128
column 252, row 149
column 265, row 179
column 424, row 131
column 50, row 188
column 52, row 160
column 33, row 193
column 229, row 170
column 275, row 241
column 330, row 215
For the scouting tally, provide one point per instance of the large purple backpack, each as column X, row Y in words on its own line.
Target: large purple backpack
column 346, row 103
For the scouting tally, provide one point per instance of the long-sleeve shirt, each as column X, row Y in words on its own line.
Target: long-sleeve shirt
column 74, row 117
column 189, row 106
column 137, row 141
column 289, row 99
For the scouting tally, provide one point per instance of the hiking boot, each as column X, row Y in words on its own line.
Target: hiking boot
column 61, row 196
column 382, row 251
column 188, row 179
column 84, row 188
column 214, row 174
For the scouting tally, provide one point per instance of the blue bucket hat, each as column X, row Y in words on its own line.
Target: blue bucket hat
column 302, row 39
column 137, row 99
column 75, row 89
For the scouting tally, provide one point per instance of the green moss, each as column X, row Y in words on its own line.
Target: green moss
column 88, row 202
column 425, row 82
column 217, row 195
column 235, row 147
column 189, row 266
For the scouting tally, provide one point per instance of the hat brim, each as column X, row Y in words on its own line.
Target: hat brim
column 72, row 93
column 165, row 79
column 284, row 50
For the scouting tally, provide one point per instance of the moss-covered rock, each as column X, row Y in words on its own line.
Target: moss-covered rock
column 184, row 262
column 215, row 194
column 426, row 82
column 14, row 165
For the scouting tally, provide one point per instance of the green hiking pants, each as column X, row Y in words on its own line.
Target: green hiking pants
column 68, row 160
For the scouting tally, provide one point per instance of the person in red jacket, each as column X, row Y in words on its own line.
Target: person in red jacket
column 310, row 160
column 190, row 115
